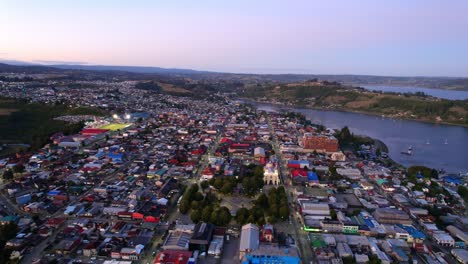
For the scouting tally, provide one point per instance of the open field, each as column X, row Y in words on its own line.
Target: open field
column 115, row 127
column 169, row 88
column 34, row 123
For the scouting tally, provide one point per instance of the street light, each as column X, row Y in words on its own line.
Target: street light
column 128, row 116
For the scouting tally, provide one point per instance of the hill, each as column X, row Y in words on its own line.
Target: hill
column 334, row 96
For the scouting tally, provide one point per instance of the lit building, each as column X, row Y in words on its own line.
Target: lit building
column 270, row 174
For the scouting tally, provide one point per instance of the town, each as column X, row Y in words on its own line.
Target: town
column 164, row 178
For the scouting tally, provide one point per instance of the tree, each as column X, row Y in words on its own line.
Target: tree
column 7, row 232
column 284, row 212
column 184, row 206
column 345, row 136
column 198, row 196
column 242, row 215
column 219, row 182
column 262, row 201
column 204, row 184
column 356, row 212
column 7, row 175
column 333, row 214
column 206, row 214
column 378, row 152
column 227, row 188
column 194, row 205
column 463, row 192
column 195, row 216
column 18, row 168
column 249, row 186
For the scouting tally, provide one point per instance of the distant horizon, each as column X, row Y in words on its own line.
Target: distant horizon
column 358, row 37
column 61, row 63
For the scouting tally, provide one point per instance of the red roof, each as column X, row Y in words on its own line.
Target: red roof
column 93, row 131
column 55, row 221
column 224, row 140
column 299, row 173
column 240, row 145
column 173, row 257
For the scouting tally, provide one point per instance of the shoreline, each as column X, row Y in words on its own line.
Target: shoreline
column 358, row 112
column 377, row 142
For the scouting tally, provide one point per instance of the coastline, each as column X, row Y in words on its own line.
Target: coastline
column 358, row 112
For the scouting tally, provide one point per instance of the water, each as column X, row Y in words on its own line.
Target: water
column 439, row 93
column 398, row 135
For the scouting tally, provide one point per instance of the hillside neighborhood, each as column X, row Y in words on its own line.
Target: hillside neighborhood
column 165, row 179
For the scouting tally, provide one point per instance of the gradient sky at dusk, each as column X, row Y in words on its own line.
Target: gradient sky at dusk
column 395, row 37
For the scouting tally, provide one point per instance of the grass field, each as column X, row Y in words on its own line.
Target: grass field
column 22, row 122
column 115, row 127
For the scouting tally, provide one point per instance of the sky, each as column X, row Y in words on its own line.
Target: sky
column 375, row 37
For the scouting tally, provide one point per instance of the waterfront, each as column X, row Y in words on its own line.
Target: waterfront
column 437, row 146
column 439, row 93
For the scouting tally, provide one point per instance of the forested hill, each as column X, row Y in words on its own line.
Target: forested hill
column 334, row 96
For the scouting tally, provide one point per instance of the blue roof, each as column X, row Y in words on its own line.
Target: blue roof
column 115, row 156
column 452, row 179
column 312, row 176
column 53, row 192
column 369, row 223
column 419, row 175
column 412, row 231
column 271, row 259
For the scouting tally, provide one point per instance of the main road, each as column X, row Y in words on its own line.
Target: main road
column 300, row 235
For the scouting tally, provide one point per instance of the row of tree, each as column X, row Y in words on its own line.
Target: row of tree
column 266, row 209
column 251, row 182
column 204, row 207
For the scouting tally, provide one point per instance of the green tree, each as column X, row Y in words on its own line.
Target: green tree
column 463, row 192
column 198, row 196
column 194, row 205
column 227, row 188
column 206, row 214
column 184, row 206
column 333, row 214
column 262, row 201
column 284, row 212
column 204, row 184
column 242, row 215
column 195, row 216
column 219, row 182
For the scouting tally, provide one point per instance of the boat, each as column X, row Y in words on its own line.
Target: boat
column 446, row 142
column 409, row 152
column 410, row 147
column 427, row 142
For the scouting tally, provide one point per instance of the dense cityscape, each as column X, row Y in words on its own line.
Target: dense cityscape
column 159, row 178
column 234, row 132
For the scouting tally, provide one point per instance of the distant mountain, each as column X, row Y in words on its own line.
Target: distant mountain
column 449, row 83
column 136, row 69
column 27, row 68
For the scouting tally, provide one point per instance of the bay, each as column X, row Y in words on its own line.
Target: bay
column 434, row 145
